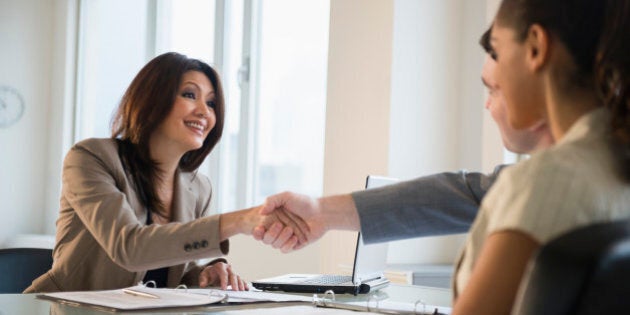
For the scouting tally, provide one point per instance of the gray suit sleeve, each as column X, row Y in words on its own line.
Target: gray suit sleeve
column 439, row 204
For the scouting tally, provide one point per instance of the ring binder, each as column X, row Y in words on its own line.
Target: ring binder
column 368, row 303
column 224, row 296
column 330, row 293
column 415, row 307
column 382, row 305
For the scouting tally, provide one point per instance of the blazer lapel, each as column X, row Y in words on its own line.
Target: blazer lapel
column 185, row 201
column 183, row 211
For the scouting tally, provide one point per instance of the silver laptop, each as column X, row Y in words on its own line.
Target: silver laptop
column 367, row 272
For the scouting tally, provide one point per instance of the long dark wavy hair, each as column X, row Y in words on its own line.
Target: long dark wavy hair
column 597, row 35
column 145, row 105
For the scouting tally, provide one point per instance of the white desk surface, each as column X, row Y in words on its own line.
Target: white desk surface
column 16, row 304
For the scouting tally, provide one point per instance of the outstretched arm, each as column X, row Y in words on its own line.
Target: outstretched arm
column 439, row 204
column 245, row 221
column 319, row 215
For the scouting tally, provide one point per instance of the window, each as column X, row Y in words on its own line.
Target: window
column 107, row 60
column 290, row 97
column 272, row 56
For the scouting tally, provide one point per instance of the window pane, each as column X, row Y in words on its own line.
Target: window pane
column 187, row 27
column 229, row 145
column 291, row 96
column 108, row 61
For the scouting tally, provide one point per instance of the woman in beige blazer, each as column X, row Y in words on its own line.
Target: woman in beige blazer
column 133, row 207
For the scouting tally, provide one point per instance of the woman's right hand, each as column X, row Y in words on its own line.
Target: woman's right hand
column 303, row 210
column 289, row 230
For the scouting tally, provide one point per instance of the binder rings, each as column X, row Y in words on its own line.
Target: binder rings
column 380, row 306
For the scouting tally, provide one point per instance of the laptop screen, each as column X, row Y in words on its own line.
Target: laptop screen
column 370, row 260
column 367, row 272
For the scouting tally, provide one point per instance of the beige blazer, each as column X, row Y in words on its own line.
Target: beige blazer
column 103, row 241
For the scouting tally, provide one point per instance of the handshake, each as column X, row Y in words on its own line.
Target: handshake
column 290, row 221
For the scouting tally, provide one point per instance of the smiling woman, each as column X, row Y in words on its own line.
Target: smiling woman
column 133, row 207
column 192, row 115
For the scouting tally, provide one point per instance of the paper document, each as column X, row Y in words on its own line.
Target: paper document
column 254, row 296
column 292, row 310
column 381, row 306
column 134, row 298
column 401, row 307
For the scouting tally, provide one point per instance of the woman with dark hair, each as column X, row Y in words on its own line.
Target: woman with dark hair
column 133, row 207
column 565, row 61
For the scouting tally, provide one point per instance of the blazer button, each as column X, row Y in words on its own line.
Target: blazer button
column 204, row 243
column 187, row 247
column 196, row 245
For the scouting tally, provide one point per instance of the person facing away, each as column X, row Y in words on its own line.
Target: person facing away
column 439, row 204
column 571, row 68
column 133, row 206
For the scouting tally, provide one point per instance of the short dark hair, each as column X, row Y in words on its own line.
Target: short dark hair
column 484, row 41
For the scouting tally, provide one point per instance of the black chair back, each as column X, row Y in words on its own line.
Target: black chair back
column 20, row 266
column 585, row 271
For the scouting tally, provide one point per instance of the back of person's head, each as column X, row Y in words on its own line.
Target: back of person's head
column 596, row 34
column 150, row 97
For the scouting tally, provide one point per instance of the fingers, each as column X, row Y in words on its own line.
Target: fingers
column 289, row 245
column 280, row 233
column 221, row 274
column 259, row 232
column 207, row 277
column 283, row 237
column 239, row 284
column 273, row 202
column 235, row 281
column 272, row 234
column 301, row 224
column 299, row 227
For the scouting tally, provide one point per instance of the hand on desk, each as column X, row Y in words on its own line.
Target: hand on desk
column 221, row 274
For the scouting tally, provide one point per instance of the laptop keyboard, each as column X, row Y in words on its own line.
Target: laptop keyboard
column 329, row 279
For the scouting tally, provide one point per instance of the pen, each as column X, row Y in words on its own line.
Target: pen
column 140, row 293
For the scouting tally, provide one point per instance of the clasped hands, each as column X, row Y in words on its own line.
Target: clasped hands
column 290, row 221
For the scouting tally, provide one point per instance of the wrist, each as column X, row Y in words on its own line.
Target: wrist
column 232, row 223
column 339, row 212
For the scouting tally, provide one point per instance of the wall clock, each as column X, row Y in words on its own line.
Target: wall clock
column 11, row 106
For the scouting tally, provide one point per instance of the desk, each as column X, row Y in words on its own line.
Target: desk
column 15, row 304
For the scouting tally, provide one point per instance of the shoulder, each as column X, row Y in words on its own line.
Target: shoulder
column 567, row 165
column 94, row 151
column 106, row 146
column 551, row 192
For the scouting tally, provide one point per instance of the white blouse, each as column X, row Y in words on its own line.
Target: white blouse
column 572, row 184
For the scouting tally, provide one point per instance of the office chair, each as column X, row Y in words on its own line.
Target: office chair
column 20, row 266
column 585, row 271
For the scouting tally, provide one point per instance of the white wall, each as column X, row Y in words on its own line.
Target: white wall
column 26, row 38
column 437, row 103
column 61, row 104
column 357, row 109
